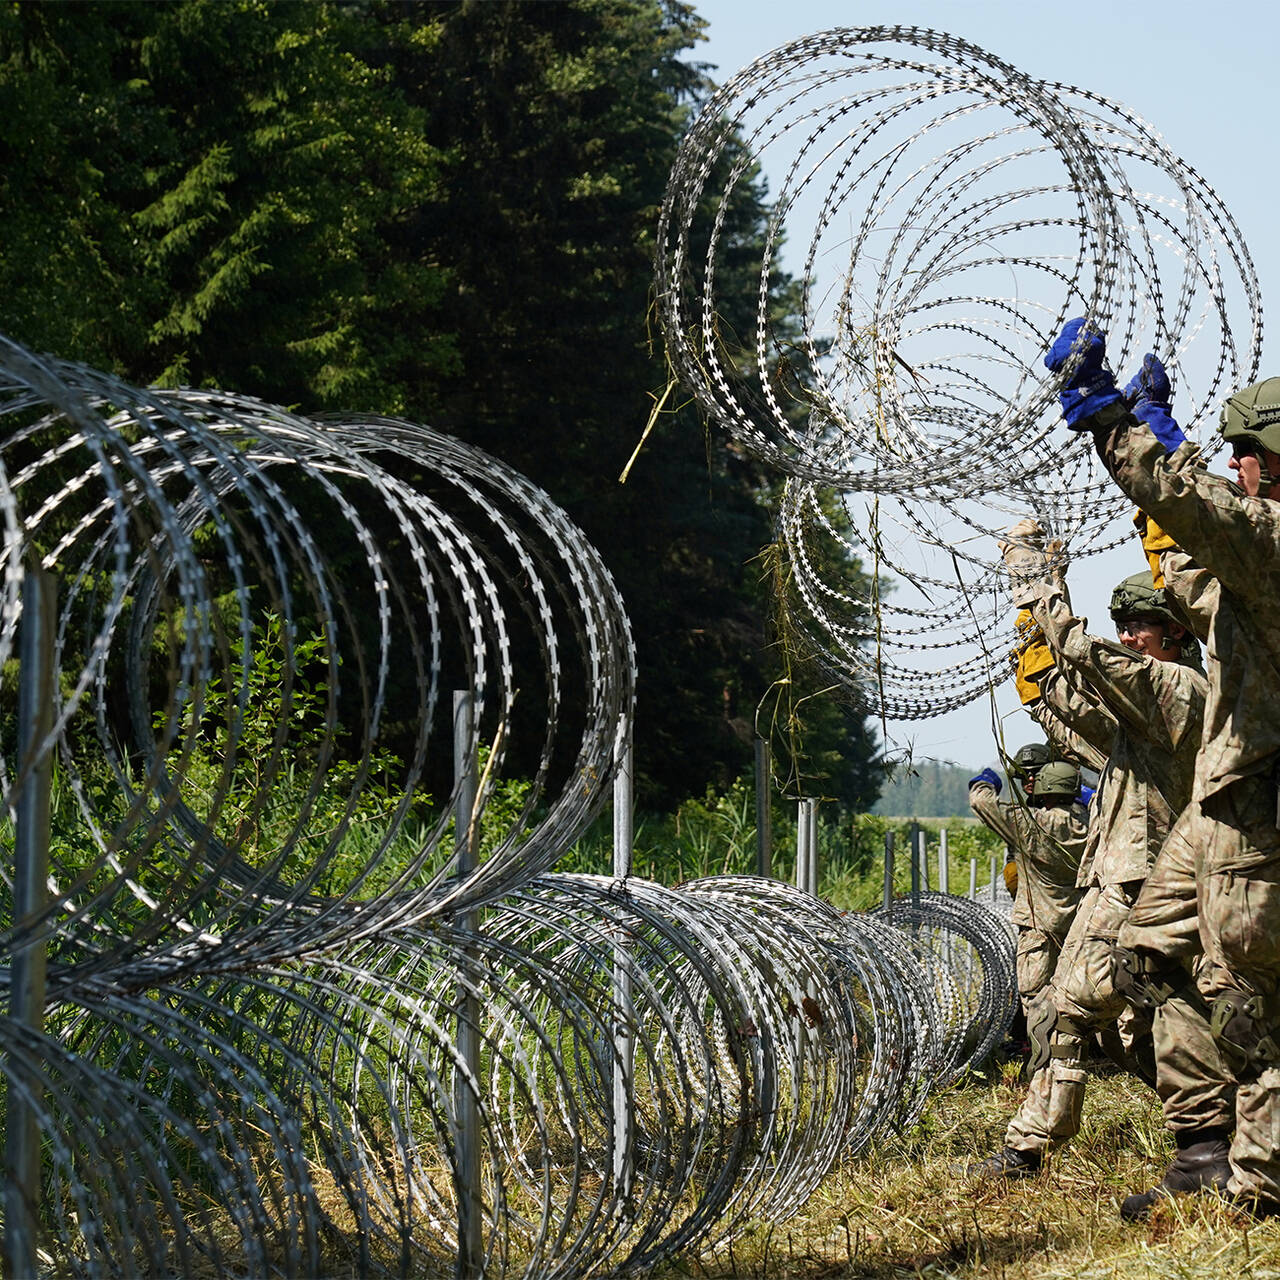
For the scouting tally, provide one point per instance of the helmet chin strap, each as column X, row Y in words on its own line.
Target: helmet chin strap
column 1265, row 478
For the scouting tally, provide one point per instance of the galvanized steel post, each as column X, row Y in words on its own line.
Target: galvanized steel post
column 888, row 870
column 30, row 893
column 470, row 1262
column 914, row 859
column 944, row 863
column 623, row 1035
column 764, row 811
column 804, row 815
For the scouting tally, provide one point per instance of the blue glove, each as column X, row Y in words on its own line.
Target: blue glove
column 1086, row 796
column 987, row 775
column 1148, row 394
column 1091, row 385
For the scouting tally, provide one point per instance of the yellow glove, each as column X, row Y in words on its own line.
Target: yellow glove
column 1154, row 541
column 1034, row 658
column 1011, row 877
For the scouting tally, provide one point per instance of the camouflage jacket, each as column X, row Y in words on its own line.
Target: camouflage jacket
column 1076, row 723
column 1191, row 591
column 1048, row 843
column 1158, row 709
column 1236, row 539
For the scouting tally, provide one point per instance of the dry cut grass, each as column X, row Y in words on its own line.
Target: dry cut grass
column 907, row 1210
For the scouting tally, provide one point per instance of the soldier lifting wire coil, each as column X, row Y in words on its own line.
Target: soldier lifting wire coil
column 947, row 215
column 257, row 939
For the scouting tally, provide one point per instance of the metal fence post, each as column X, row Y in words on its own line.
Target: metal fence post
column 807, row 846
column 470, row 1262
column 764, row 811
column 922, row 845
column 973, row 879
column 802, row 845
column 623, row 1036
column 30, row 892
column 944, row 863
column 994, row 870
column 914, row 859
column 888, row 870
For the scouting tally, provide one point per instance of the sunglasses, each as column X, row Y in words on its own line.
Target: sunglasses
column 1244, row 449
column 1134, row 626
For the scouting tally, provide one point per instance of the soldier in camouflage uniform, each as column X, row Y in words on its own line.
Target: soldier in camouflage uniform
column 1228, row 840
column 1046, row 836
column 1149, row 684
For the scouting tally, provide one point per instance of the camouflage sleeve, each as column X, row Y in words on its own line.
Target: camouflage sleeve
column 1078, row 726
column 1192, row 591
column 1127, row 684
column 1000, row 818
column 1228, row 533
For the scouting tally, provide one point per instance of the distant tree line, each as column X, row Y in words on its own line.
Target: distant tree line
column 926, row 789
column 442, row 211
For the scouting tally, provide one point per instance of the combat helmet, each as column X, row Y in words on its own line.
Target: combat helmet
column 1057, row 779
column 1252, row 414
column 1138, row 597
column 1033, row 756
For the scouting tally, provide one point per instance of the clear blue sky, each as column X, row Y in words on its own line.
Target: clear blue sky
column 1203, row 74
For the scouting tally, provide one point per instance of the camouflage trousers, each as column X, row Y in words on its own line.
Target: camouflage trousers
column 1083, row 996
column 1190, row 1080
column 1196, row 1089
column 1226, row 859
column 1037, row 956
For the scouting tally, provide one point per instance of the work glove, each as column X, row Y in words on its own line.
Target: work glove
column 1148, row 396
column 1023, row 551
column 989, row 776
column 1056, row 562
column 1033, row 658
column 1011, row 877
column 1090, row 386
column 1154, row 543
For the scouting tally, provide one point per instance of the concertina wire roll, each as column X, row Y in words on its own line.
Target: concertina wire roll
column 948, row 213
column 258, row 938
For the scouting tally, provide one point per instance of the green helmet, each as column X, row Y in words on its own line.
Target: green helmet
column 1031, row 757
column 1253, row 413
column 1057, row 779
column 1136, row 597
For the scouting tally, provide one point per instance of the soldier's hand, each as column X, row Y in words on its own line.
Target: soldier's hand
column 1148, row 394
column 1089, row 385
column 1024, row 557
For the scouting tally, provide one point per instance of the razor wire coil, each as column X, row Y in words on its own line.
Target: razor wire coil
column 250, row 1059
column 955, row 213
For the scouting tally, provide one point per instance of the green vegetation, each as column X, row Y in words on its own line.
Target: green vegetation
column 442, row 211
column 902, row 1210
column 716, row 835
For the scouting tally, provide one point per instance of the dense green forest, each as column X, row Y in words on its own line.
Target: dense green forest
column 442, row 211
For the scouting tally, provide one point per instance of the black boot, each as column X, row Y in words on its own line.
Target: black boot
column 1006, row 1163
column 1201, row 1164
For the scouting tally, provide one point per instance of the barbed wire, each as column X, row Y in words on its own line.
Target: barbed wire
column 954, row 213
column 262, row 952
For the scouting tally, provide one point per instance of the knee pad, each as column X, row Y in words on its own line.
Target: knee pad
column 1246, row 1032
column 1145, row 980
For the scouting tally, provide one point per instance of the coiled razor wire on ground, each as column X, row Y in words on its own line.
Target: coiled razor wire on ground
column 260, row 944
column 952, row 213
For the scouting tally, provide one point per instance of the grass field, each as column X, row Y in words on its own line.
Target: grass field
column 904, row 1210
